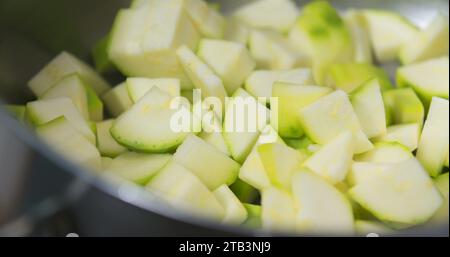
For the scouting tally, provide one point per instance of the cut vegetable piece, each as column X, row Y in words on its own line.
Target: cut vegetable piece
column 322, row 208
column 43, row 111
column 283, row 14
column 105, row 162
column 442, row 184
column 253, row 171
column 137, row 167
column 277, row 210
column 254, row 215
column 431, row 42
column 95, row 105
column 403, row 106
column 280, row 162
column 212, row 133
column 368, row 104
column 100, row 55
column 61, row 66
column 147, row 126
column 272, row 51
column 180, row 188
column 236, row 31
column 201, row 75
column 403, row 195
column 361, row 172
column 260, row 82
column 199, row 156
column 333, row 160
column 406, row 134
column 117, row 100
column 330, row 116
column 322, row 34
column 245, row 117
column 428, row 79
column 291, row 99
column 138, row 87
column 365, row 228
column 230, row 60
column 351, row 76
column 235, row 212
column 209, row 22
column 361, row 42
column 434, row 143
column 244, row 192
column 71, row 87
column 386, row 153
column 144, row 40
column 388, row 32
column 106, row 144
column 68, row 141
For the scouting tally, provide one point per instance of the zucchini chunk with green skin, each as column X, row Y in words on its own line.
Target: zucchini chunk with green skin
column 403, row 106
column 245, row 117
column 198, row 156
column 401, row 196
column 365, row 227
column 253, row 171
column 117, row 100
column 428, row 79
column 201, row 75
column 254, row 216
column 272, row 51
column 138, row 168
column 361, row 172
column 283, row 14
column 68, row 141
column 388, row 33
column 350, row 76
column 405, row 134
column 353, row 19
column 230, row 60
column 333, row 160
column 368, row 104
column 144, row 40
column 324, row 36
column 106, row 144
column 291, row 99
column 434, row 142
column 61, row 66
column 278, row 210
column 43, row 111
column 330, row 116
column 386, row 153
column 260, row 82
column 429, row 43
column 235, row 212
column 323, row 209
column 138, row 87
column 236, row 31
column 442, row 184
column 147, row 126
column 183, row 190
column 280, row 162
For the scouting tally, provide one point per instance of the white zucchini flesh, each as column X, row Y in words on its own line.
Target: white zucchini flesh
column 117, row 100
column 386, row 153
column 137, row 167
column 43, row 111
column 183, row 190
column 106, row 144
column 442, row 184
column 403, row 194
column 235, row 212
column 148, row 126
column 62, row 65
column 138, row 87
column 405, row 134
column 361, row 41
column 434, row 142
column 236, row 31
column 323, row 209
column 278, row 210
column 68, row 141
column 331, row 115
column 198, row 156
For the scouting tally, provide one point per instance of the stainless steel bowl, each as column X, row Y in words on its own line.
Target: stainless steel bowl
column 43, row 194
